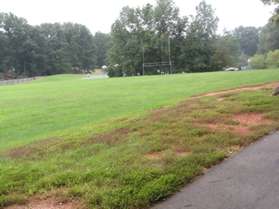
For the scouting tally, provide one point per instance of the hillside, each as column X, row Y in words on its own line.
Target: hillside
column 126, row 142
column 54, row 105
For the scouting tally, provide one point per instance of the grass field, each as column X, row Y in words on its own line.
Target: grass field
column 49, row 106
column 97, row 141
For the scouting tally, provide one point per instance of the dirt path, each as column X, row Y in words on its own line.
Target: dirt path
column 49, row 203
column 236, row 90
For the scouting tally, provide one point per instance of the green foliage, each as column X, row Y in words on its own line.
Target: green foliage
column 148, row 27
column 258, row 61
column 248, row 38
column 115, row 71
column 270, row 1
column 195, row 46
column 275, row 17
column 103, row 44
column 269, row 38
column 226, row 52
column 194, row 43
column 199, row 44
column 269, row 60
column 272, row 59
column 46, row 49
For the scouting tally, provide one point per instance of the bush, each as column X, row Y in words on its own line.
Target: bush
column 114, row 71
column 272, row 59
column 258, row 62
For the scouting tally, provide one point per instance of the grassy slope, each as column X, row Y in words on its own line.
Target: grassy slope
column 54, row 105
column 145, row 160
column 137, row 164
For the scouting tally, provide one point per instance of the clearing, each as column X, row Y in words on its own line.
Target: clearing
column 106, row 144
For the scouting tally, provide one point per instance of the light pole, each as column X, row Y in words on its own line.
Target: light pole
column 143, row 59
column 169, row 51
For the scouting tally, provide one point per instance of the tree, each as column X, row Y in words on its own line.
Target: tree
column 226, row 53
column 275, row 17
column 270, row 1
column 149, row 29
column 57, row 59
column 4, row 51
column 16, row 30
column 44, row 50
column 200, row 39
column 103, row 44
column 126, row 40
column 87, row 52
column 269, row 38
column 70, row 47
column 248, row 38
column 195, row 45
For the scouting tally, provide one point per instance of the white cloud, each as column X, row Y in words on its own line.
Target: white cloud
column 98, row 15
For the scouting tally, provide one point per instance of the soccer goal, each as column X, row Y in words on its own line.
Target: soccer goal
column 162, row 67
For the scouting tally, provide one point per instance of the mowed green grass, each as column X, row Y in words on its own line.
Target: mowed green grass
column 68, row 104
column 97, row 145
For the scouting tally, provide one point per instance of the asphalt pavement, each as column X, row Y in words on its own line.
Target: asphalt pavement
column 249, row 180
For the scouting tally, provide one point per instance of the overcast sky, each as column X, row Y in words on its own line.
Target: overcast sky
column 98, row 15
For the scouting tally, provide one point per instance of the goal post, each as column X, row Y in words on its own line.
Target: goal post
column 158, row 65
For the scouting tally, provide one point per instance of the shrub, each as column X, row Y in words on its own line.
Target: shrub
column 272, row 59
column 114, row 71
column 258, row 62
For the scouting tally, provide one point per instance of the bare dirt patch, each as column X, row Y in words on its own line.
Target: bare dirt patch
column 181, row 151
column 221, row 99
column 235, row 129
column 237, row 90
column 234, row 149
column 243, row 123
column 251, row 119
column 242, row 131
column 111, row 137
column 50, row 203
column 178, row 152
column 154, row 156
column 28, row 150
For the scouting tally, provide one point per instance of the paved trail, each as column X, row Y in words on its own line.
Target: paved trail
column 250, row 180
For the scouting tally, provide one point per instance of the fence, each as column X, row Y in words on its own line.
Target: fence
column 16, row 81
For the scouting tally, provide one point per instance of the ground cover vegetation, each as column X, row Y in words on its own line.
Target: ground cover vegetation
column 126, row 143
column 127, row 162
column 46, row 107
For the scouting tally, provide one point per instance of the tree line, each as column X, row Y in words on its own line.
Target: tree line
column 267, row 55
column 48, row 48
column 195, row 44
column 149, row 34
